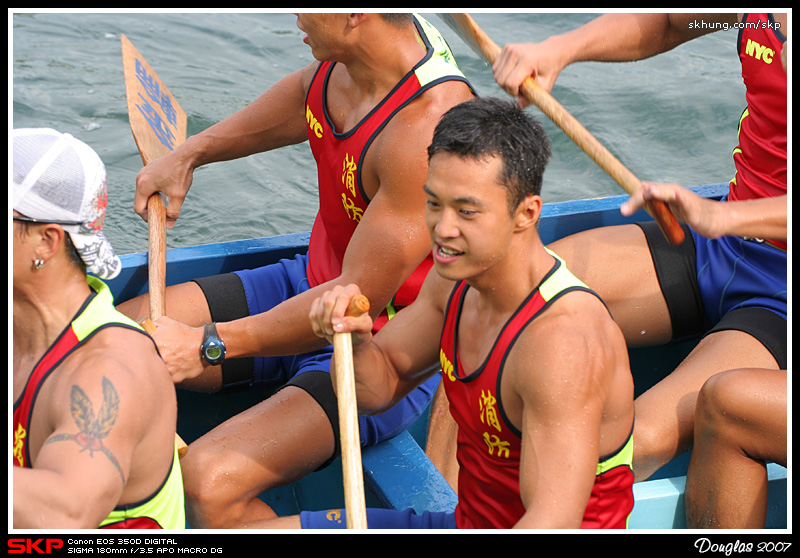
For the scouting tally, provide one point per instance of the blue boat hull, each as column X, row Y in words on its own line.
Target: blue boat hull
column 397, row 473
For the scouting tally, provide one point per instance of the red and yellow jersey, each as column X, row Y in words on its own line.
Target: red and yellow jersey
column 489, row 446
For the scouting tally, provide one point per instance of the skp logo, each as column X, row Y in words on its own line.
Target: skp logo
column 34, row 546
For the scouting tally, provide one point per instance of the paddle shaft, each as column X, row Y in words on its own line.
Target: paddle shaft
column 156, row 250
column 148, row 102
column 157, row 255
column 355, row 506
column 479, row 41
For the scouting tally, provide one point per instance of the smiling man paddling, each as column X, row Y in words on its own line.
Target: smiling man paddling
column 535, row 370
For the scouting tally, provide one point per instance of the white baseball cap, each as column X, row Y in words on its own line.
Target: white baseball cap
column 58, row 178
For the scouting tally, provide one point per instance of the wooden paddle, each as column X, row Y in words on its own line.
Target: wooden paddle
column 159, row 125
column 479, row 41
column 355, row 506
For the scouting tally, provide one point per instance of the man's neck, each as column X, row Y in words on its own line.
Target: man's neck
column 506, row 286
column 42, row 309
column 391, row 54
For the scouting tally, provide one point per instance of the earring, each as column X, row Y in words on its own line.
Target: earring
column 38, row 263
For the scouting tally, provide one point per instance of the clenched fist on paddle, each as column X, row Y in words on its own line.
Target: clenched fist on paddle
column 170, row 175
column 341, row 310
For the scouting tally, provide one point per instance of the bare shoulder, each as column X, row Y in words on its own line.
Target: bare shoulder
column 570, row 373
column 115, row 389
column 435, row 292
column 414, row 124
column 306, row 74
column 396, row 164
column 124, row 358
column 426, row 314
column 399, row 155
column 426, row 110
column 129, row 348
column 107, row 418
column 574, row 341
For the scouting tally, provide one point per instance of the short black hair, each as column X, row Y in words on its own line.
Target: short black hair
column 399, row 20
column 486, row 127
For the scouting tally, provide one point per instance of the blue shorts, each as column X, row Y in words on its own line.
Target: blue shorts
column 728, row 283
column 736, row 273
column 250, row 292
column 265, row 288
column 380, row 519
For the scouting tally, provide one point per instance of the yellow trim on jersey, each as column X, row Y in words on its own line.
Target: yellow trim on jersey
column 442, row 63
column 623, row 457
column 99, row 311
column 166, row 507
column 560, row 280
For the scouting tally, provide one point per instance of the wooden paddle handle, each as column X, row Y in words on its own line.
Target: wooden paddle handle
column 359, row 305
column 355, row 505
column 157, row 272
column 474, row 35
column 150, row 327
column 157, row 255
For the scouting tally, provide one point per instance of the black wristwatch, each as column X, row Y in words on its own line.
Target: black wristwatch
column 213, row 348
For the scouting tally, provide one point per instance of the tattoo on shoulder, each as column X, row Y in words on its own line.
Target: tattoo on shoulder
column 93, row 428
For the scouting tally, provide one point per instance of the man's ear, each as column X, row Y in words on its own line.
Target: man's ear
column 354, row 20
column 49, row 239
column 528, row 212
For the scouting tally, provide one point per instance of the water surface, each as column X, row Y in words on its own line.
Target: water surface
column 670, row 118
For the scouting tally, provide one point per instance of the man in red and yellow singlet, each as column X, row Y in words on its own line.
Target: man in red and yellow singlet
column 535, row 370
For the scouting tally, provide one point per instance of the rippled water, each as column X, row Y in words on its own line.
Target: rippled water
column 669, row 118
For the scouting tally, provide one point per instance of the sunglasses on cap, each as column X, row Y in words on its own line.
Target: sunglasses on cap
column 24, row 219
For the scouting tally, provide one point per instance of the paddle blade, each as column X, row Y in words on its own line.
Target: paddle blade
column 157, row 121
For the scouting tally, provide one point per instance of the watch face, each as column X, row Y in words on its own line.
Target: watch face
column 213, row 352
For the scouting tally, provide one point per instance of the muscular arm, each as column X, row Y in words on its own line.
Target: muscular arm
column 389, row 243
column 561, row 375
column 108, row 425
column 627, row 37
column 615, row 37
column 758, row 218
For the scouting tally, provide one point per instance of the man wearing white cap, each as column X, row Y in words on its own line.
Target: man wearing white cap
column 93, row 441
